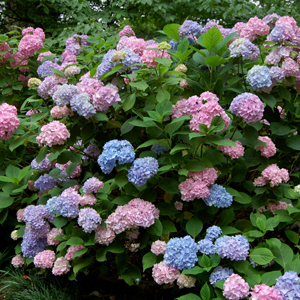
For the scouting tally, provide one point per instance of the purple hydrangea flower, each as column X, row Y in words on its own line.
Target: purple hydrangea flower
column 35, row 215
column 159, row 149
column 113, row 151
column 218, row 197
column 181, row 253
column 68, row 203
column 206, row 247
column 219, row 273
column 289, row 286
column 213, row 232
column 142, row 170
column 281, row 32
column 276, row 74
column 64, row 94
column 92, row 185
column 105, row 97
column 232, row 247
column 246, row 49
column 44, row 165
column 190, row 27
column 88, row 219
column 53, row 206
column 92, row 150
column 131, row 60
column 259, row 77
column 106, row 64
column 31, row 245
column 81, row 103
column 45, row 182
column 44, row 71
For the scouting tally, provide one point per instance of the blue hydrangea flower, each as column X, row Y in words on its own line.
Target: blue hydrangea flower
column 190, row 27
column 232, row 247
column 213, row 232
column 206, row 247
column 246, row 49
column 53, row 206
column 142, row 169
column 81, row 103
column 289, row 286
column 113, row 151
column 44, row 165
column 173, row 44
column 132, row 59
column 68, row 203
column 106, row 64
column 44, row 71
column 181, row 253
column 259, row 77
column 34, row 216
column 159, row 149
column 64, row 94
column 45, row 182
column 280, row 33
column 218, row 197
column 31, row 245
column 219, row 273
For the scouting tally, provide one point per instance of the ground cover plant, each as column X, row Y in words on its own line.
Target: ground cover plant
column 172, row 163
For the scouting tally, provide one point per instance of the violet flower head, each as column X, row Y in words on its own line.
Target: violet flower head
column 45, row 182
column 246, row 49
column 64, row 94
column 81, row 103
column 218, row 197
column 92, row 185
column 289, row 286
column 44, row 69
column 44, row 165
column 105, row 97
column 88, row 219
column 259, row 77
column 190, row 27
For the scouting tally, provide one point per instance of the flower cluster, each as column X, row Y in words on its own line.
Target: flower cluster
column 219, row 273
column 218, row 197
column 44, row 259
column 164, row 274
column 288, row 285
column 262, row 291
column 268, row 150
column 246, row 49
column 104, row 236
column 272, row 207
column 149, row 55
column 31, row 42
column 44, row 165
column 72, row 250
column 190, row 28
column 61, row 266
column 18, row 261
column 235, row 287
column 273, row 175
column 57, row 112
column 9, row 121
column 45, row 182
column 185, row 281
column 92, row 185
column 233, row 151
column 88, row 219
column 158, row 247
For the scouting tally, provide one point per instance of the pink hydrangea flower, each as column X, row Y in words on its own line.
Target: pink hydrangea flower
column 235, row 287
column 264, row 292
column 43, row 54
column 44, row 259
column 254, row 27
column 127, row 30
column 18, row 261
column 88, row 199
column 68, row 57
column 61, row 266
column 27, row 31
column 233, row 152
column 260, row 181
column 183, row 83
column 32, row 112
column 132, row 234
column 72, row 250
column 90, row 86
column 105, row 97
column 149, row 55
column 93, row 184
column 57, row 112
column 54, row 133
column 52, row 234
column 137, row 45
column 288, row 21
column 75, row 173
column 104, row 236
column 178, row 205
column 272, row 207
column 9, row 121
column 273, row 175
column 7, row 55
column 20, row 214
column 268, row 150
column 50, row 85
column 29, row 44
column 20, row 60
column 185, row 281
column 290, row 67
column 159, row 247
column 163, row 274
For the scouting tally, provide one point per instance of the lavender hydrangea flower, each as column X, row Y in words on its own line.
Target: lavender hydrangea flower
column 92, row 150
column 142, row 170
column 53, row 206
column 232, row 247
column 64, row 94
column 276, row 74
column 159, row 149
column 213, row 232
column 181, row 253
column 45, row 182
column 218, row 197
column 92, row 185
column 106, row 64
column 289, row 286
column 44, row 165
column 88, row 219
column 34, row 216
column 81, row 103
column 219, row 273
column 113, row 151
column 68, row 203
column 206, row 247
column 44, row 69
column 190, row 27
column 281, row 32
column 131, row 60
column 259, row 77
column 246, row 49
column 31, row 245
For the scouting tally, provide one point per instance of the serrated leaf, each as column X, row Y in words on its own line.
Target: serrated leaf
column 212, row 38
column 171, row 30
column 194, row 226
column 149, row 259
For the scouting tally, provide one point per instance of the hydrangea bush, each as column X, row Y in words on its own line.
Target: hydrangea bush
column 175, row 162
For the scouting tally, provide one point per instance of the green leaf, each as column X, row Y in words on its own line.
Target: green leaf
column 116, row 247
column 114, row 70
column 121, row 178
column 250, row 135
column 6, row 179
column 80, row 252
column 194, row 227
column 217, row 124
column 284, row 93
column 226, row 217
column 100, row 116
column 261, row 256
column 171, row 30
column 189, row 296
column 83, row 263
column 57, row 72
column 269, row 100
column 205, row 292
column 42, row 154
column 75, row 241
column 215, row 260
column 101, row 255
column 179, row 148
column 168, row 227
column 121, row 200
column 261, row 224
column 149, row 259
column 162, row 95
column 12, row 172
column 293, row 142
column 141, row 85
column 21, row 140
column 292, row 236
column 193, row 271
column 164, row 108
column 279, row 129
column 71, row 168
column 164, row 61
column 148, row 143
column 212, row 38
column 156, row 228
column 222, row 142
column 130, row 274
column 60, row 222
column 169, row 185
column 5, row 200
column 129, row 102
column 220, row 284
column 195, row 166
column 205, row 261
column 269, row 278
column 254, row 234
column 214, row 61
column 61, row 246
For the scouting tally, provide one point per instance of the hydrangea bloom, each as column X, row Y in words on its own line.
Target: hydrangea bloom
column 137, row 45
column 262, row 291
column 272, row 207
column 190, row 28
column 235, row 287
column 88, row 199
column 271, row 18
column 113, row 151
column 104, row 236
column 81, row 103
column 259, row 77
column 159, row 149
column 18, row 261
column 276, row 74
column 44, row 69
column 206, row 247
column 248, row 106
column 54, row 133
column 29, row 44
column 64, row 94
column 92, row 185
column 213, row 232
column 105, row 97
column 273, row 175
column 282, row 32
column 68, row 203
column 32, row 82
column 181, row 68
column 149, row 55
column 159, row 247
column 185, row 281
column 20, row 214
column 232, row 247
column 142, row 169
column 9, row 121
column 164, row 274
column 63, row 168
column 246, row 49
column 181, row 253
column 44, row 165
column 88, row 219
column 254, row 27
column 218, row 197
column 127, row 30
column 45, row 182
column 290, row 67
column 178, row 205
column 32, row 245
column 3, row 57
column 219, row 273
column 72, row 71
column 268, row 150
column 61, row 266
column 231, row 151
column 44, row 259
column 20, row 60
column 57, row 112
column 43, row 55
column 72, row 250
column 14, row 235
column 289, row 285
column 52, row 234
column 92, row 151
